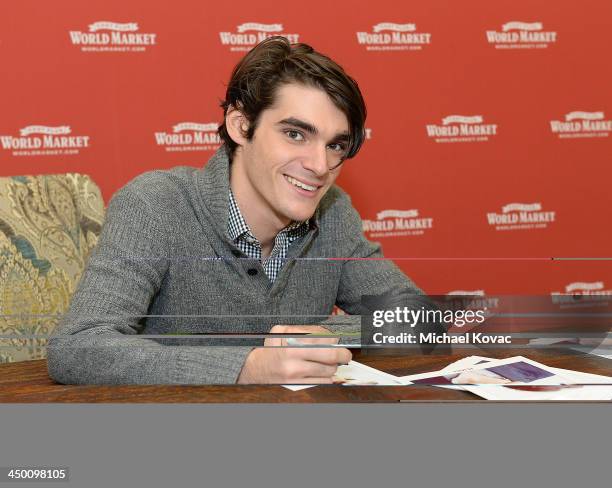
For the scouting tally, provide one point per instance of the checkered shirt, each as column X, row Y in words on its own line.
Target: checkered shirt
column 239, row 232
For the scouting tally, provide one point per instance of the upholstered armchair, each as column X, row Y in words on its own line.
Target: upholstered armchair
column 48, row 226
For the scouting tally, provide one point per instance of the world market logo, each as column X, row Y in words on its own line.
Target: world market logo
column 582, row 294
column 42, row 140
column 249, row 34
column 472, row 300
column 392, row 223
column 190, row 136
column 521, row 35
column 515, row 216
column 581, row 124
column 461, row 128
column 388, row 36
column 105, row 36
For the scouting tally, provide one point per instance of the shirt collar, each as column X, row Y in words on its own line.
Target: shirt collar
column 237, row 226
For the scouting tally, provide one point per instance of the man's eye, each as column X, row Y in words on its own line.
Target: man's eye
column 295, row 135
column 337, row 147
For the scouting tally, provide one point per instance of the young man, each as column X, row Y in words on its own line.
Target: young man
column 240, row 246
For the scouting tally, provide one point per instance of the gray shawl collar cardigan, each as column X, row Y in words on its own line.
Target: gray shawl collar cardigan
column 165, row 265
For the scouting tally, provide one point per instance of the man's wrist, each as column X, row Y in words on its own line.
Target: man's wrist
column 245, row 373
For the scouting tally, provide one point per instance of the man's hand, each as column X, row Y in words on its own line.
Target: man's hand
column 306, row 365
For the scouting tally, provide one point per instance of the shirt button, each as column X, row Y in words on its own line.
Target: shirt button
column 252, row 271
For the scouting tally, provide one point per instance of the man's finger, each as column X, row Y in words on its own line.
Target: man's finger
column 319, row 370
column 309, row 341
column 325, row 355
column 299, row 329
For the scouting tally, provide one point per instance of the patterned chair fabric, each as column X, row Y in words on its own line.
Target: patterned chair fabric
column 48, row 226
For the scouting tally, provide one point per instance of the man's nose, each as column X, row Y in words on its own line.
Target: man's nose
column 317, row 161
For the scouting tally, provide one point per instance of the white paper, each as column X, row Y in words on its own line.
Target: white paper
column 580, row 377
column 357, row 374
column 602, row 391
column 466, row 363
column 463, row 364
column 561, row 377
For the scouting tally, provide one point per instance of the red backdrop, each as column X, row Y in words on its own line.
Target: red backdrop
column 489, row 122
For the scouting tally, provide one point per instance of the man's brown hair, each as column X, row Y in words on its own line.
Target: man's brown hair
column 275, row 62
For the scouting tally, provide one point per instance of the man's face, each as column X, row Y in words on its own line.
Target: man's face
column 286, row 166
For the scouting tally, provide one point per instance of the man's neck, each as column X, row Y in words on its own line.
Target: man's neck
column 263, row 223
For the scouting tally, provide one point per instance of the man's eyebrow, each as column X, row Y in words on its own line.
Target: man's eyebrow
column 341, row 137
column 301, row 124
column 311, row 129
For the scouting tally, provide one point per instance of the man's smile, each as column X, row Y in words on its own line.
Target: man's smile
column 309, row 187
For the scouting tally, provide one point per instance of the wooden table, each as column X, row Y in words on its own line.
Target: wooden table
column 28, row 382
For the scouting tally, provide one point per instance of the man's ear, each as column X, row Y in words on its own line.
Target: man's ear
column 237, row 125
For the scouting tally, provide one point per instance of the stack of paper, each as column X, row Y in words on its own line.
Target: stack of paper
column 516, row 378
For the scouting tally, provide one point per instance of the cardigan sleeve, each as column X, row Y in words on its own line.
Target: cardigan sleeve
column 97, row 341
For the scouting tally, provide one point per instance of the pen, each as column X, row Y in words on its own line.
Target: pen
column 292, row 341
